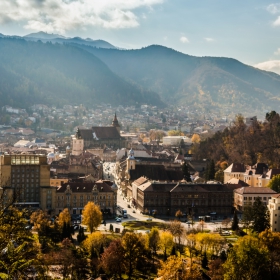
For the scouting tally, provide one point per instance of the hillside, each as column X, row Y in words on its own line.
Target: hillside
column 55, row 38
column 206, row 82
column 34, row 72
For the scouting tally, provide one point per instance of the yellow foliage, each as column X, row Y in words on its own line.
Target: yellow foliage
column 195, row 138
column 92, row 216
column 64, row 217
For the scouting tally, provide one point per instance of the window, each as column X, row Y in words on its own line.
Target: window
column 245, row 198
column 250, row 198
column 275, row 215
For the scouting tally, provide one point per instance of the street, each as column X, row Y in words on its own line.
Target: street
column 122, row 203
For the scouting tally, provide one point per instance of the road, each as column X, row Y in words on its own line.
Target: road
column 109, row 174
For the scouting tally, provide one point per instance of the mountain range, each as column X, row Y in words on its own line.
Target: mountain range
column 58, row 74
column 62, row 68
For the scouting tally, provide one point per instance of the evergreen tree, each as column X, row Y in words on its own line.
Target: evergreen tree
column 261, row 219
column 211, row 171
column 173, row 251
column 81, row 235
column 186, row 173
column 204, row 261
column 234, row 225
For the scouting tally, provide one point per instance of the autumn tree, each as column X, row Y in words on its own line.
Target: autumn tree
column 113, row 259
column 134, row 246
column 195, row 138
column 41, row 221
column 93, row 243
column 175, row 133
column 92, row 216
column 247, row 260
column 261, row 219
column 177, row 230
column 18, row 248
column 179, row 214
column 274, row 183
column 64, row 217
column 166, row 242
column 271, row 240
column 154, row 240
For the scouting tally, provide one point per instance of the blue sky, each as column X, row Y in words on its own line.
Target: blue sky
column 247, row 30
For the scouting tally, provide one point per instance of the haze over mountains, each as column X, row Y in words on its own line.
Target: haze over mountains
column 76, row 70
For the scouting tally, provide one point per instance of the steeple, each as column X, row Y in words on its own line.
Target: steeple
column 115, row 123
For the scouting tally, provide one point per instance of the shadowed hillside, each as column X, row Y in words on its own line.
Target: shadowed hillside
column 34, row 72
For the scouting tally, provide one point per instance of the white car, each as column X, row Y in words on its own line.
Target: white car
column 118, row 220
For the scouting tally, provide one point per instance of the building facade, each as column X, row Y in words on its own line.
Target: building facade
column 246, row 196
column 166, row 198
column 274, row 210
column 75, row 195
column 23, row 176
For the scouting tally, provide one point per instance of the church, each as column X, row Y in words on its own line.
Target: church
column 98, row 137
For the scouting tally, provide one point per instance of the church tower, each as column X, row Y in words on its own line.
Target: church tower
column 130, row 162
column 115, row 123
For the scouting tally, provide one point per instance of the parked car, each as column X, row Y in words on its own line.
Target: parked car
column 118, row 220
column 149, row 219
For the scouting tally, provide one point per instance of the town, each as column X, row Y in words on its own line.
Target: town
column 138, row 171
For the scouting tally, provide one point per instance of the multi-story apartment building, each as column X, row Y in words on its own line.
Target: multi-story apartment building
column 23, row 176
column 75, row 195
column 274, row 210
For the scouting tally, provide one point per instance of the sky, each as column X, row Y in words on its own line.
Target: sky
column 247, row 30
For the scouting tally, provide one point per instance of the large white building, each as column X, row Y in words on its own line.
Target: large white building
column 274, row 209
column 176, row 140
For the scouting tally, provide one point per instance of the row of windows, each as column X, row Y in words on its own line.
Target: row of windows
column 88, row 197
column 255, row 197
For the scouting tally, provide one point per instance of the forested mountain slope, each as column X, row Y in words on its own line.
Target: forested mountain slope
column 36, row 72
column 209, row 82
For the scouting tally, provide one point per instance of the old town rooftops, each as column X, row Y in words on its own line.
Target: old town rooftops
column 102, row 186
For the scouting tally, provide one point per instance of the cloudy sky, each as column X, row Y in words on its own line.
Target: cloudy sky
column 248, row 30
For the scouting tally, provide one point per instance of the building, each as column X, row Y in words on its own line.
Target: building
column 258, row 175
column 155, row 169
column 75, row 195
column 246, row 196
column 274, row 210
column 24, row 177
column 98, row 136
column 166, row 198
column 175, row 140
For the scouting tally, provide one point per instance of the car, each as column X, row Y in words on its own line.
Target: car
column 118, row 220
column 189, row 222
column 149, row 219
column 226, row 233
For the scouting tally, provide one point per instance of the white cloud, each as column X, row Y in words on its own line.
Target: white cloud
column 209, row 39
column 273, row 8
column 277, row 52
column 184, row 39
column 277, row 21
column 63, row 15
column 271, row 65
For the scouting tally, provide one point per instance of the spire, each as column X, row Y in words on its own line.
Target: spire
column 115, row 121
